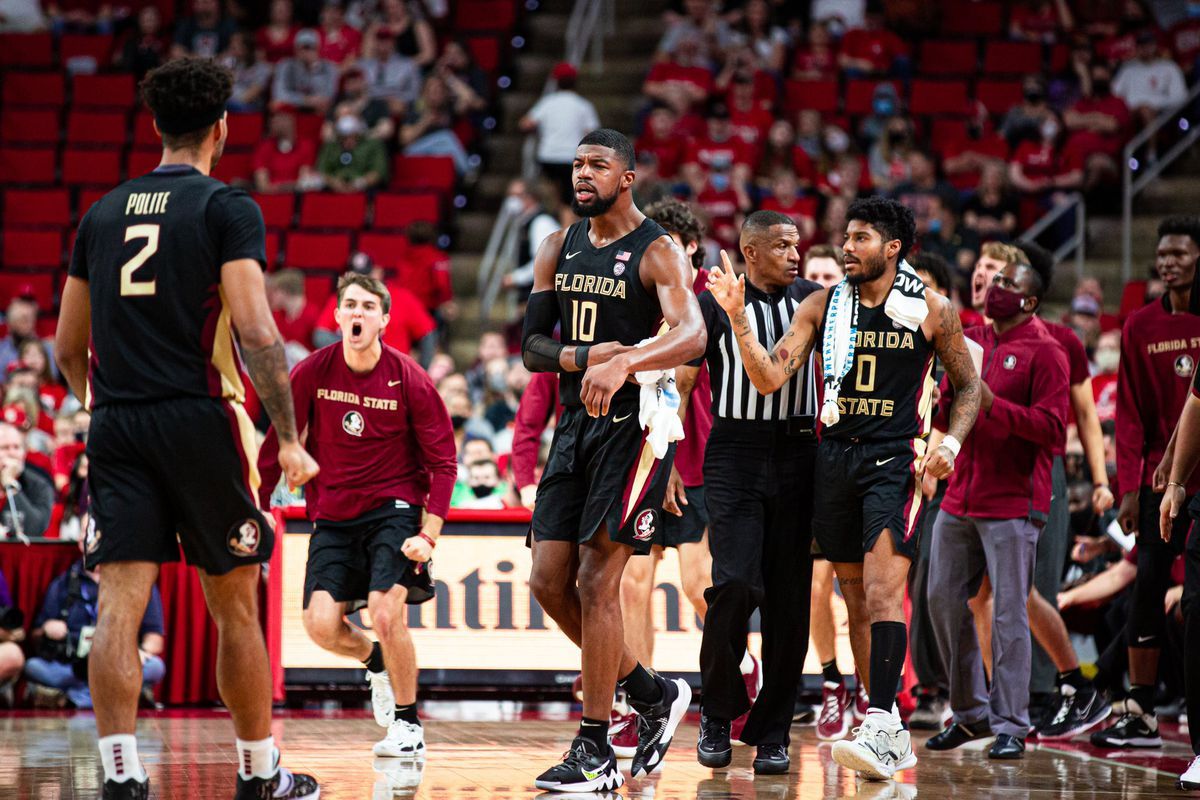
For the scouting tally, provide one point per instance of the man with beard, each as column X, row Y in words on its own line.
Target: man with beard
column 880, row 332
column 164, row 267
column 607, row 280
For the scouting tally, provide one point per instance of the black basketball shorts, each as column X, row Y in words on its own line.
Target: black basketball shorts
column 351, row 559
column 688, row 529
column 862, row 489
column 601, row 471
column 174, row 473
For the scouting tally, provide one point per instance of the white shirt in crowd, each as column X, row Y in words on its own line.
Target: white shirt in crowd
column 563, row 118
column 1159, row 84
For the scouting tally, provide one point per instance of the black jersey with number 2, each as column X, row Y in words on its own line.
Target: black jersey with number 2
column 601, row 297
column 151, row 251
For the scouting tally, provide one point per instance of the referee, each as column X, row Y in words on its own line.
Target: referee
column 758, row 476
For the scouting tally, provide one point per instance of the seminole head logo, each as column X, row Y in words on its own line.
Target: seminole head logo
column 1185, row 365
column 244, row 539
column 353, row 423
column 643, row 528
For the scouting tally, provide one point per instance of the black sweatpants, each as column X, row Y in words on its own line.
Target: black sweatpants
column 922, row 642
column 758, row 492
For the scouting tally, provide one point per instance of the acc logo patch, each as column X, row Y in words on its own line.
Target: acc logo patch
column 618, row 269
column 353, row 423
column 91, row 537
column 1185, row 365
column 1010, row 361
column 244, row 539
column 643, row 529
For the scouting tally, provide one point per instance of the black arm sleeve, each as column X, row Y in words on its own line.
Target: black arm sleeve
column 539, row 350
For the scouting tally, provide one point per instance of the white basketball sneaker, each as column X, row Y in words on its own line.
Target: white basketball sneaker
column 880, row 747
column 403, row 740
column 383, row 702
column 1190, row 779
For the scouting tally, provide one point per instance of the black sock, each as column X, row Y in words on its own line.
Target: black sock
column 1074, row 679
column 1143, row 696
column 596, row 731
column 408, row 713
column 831, row 673
column 374, row 662
column 889, row 643
column 642, row 687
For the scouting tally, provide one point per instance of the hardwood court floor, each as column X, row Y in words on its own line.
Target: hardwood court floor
column 189, row 755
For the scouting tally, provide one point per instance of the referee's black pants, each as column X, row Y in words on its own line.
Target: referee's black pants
column 758, row 485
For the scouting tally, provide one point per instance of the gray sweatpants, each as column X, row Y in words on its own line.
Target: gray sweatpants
column 963, row 548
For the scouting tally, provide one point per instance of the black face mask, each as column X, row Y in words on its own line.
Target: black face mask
column 1100, row 87
column 482, row 491
column 896, row 137
column 457, row 421
column 1034, row 95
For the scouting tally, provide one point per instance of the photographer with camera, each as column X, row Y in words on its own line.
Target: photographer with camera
column 12, row 632
column 27, row 492
column 63, row 633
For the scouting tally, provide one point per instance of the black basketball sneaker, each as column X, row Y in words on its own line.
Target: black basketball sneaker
column 285, row 785
column 584, row 768
column 1081, row 709
column 657, row 724
column 126, row 790
column 1135, row 728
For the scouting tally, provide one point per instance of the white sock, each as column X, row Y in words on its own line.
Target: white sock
column 747, row 665
column 119, row 753
column 257, row 759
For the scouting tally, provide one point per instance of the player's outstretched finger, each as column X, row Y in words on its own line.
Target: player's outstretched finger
column 725, row 262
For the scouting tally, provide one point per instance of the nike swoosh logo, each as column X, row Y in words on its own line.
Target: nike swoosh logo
column 884, row 461
column 569, row 256
column 1145, row 638
column 621, row 419
column 393, row 383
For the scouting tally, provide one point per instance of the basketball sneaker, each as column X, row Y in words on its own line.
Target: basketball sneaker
column 285, row 784
column 881, row 747
column 1135, row 728
column 931, row 714
column 383, row 702
column 403, row 740
column 583, row 769
column 657, row 724
column 834, row 722
column 126, row 790
column 623, row 728
column 1078, row 711
column 862, row 701
column 714, row 750
column 1190, row 779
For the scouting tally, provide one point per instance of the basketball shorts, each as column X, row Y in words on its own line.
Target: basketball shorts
column 601, row 472
column 351, row 559
column 175, row 473
column 688, row 529
column 863, row 489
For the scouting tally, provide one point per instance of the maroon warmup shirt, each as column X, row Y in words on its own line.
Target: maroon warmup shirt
column 1158, row 358
column 1078, row 368
column 698, row 421
column 1003, row 470
column 538, row 402
column 378, row 437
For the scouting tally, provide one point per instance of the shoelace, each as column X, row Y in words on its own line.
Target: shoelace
column 1063, row 710
column 712, row 727
column 831, row 708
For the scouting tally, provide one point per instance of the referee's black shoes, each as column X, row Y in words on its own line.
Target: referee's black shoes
column 126, row 790
column 957, row 735
column 771, row 759
column 714, row 750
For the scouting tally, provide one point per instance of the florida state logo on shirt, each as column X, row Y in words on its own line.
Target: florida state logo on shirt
column 1185, row 365
column 353, row 423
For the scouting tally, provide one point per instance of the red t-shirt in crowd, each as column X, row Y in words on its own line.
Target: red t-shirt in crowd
column 718, row 155
column 409, row 323
column 668, row 151
column 284, row 167
column 1041, row 160
column 991, row 146
column 879, row 47
column 378, row 438
column 721, row 208
column 300, row 329
column 815, row 64
column 339, row 45
column 1038, row 22
column 751, row 124
column 425, row 271
column 276, row 49
column 1087, row 141
column 698, row 421
column 670, row 72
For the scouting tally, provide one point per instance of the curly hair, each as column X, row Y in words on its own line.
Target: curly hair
column 892, row 219
column 187, row 96
column 1180, row 225
column 677, row 217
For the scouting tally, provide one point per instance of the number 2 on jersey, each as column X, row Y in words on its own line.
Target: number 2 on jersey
column 583, row 320
column 129, row 286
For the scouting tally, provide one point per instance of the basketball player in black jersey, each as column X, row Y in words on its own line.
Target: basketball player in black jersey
column 608, row 282
column 165, row 266
column 868, row 497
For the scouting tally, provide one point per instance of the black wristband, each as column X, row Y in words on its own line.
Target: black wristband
column 581, row 355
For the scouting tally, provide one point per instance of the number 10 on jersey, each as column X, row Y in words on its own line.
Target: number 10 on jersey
column 583, row 320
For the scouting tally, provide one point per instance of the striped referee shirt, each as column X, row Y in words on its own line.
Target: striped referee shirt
column 770, row 315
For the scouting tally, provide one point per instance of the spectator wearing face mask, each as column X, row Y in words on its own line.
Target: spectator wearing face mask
column 1024, row 120
column 483, row 487
column 1107, row 360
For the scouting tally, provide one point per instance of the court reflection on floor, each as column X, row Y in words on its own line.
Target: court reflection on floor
column 189, row 755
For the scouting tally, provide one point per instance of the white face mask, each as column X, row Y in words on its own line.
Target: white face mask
column 513, row 204
column 1107, row 360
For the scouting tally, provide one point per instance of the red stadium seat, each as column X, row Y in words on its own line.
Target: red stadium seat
column 938, row 97
column 103, row 91
column 1012, row 58
column 944, row 133
column 277, row 209
column 37, row 207
column 998, row 96
column 143, row 131
column 1060, row 57
column 329, row 210
column 142, row 160
column 949, row 58
column 76, row 45
column 234, row 166
column 400, row 210
column 245, row 130
column 318, row 250
column 859, row 94
column 486, row 52
column 965, row 18
column 91, row 167
column 818, row 95
column 32, row 248
column 86, row 198
column 39, row 286
column 272, row 248
column 318, row 290
column 485, row 15
column 27, row 165
column 386, row 248
column 29, row 125
column 435, row 173
column 26, row 50
column 33, row 89
column 96, row 127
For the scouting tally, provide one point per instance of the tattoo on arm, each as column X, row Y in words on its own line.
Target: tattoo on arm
column 770, row 368
column 952, row 349
column 268, row 369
